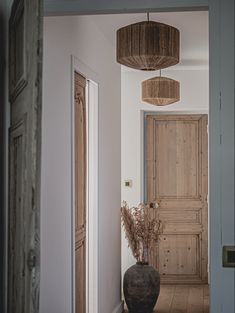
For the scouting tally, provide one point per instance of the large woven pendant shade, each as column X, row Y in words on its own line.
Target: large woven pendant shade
column 160, row 90
column 148, row 45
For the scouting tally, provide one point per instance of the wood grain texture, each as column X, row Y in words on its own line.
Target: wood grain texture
column 177, row 178
column 16, row 244
column 148, row 45
column 80, row 192
column 25, row 94
column 182, row 299
column 196, row 301
column 160, row 90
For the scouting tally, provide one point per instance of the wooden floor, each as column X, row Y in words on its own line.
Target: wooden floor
column 183, row 299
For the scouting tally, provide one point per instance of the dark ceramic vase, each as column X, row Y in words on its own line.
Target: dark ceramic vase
column 141, row 288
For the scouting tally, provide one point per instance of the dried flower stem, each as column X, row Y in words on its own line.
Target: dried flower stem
column 142, row 228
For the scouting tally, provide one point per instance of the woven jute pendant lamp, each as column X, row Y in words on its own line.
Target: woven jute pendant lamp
column 148, row 45
column 160, row 90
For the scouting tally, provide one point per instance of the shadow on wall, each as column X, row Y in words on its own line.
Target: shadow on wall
column 2, row 153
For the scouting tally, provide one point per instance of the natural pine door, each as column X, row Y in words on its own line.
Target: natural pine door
column 177, row 179
column 80, row 193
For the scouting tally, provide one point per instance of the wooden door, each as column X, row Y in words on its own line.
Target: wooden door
column 80, row 192
column 177, row 178
column 25, row 81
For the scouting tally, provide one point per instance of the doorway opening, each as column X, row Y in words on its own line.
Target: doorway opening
column 176, row 177
column 123, row 85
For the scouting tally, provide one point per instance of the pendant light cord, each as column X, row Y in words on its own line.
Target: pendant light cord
column 148, row 16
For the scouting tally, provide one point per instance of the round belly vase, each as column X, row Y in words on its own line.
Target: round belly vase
column 141, row 288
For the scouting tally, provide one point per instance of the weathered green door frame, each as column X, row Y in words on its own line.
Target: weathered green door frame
column 221, row 49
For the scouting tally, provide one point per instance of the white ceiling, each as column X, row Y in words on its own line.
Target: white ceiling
column 193, row 27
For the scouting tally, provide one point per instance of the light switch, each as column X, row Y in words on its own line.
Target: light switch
column 228, row 256
column 128, row 183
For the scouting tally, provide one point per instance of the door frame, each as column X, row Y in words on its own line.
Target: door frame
column 91, row 185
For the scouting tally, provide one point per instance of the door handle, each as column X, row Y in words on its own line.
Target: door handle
column 154, row 205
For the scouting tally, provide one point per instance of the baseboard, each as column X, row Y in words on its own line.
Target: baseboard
column 119, row 308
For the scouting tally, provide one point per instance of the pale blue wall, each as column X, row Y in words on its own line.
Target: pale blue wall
column 221, row 151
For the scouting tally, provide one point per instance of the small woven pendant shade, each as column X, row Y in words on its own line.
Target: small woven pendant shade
column 148, row 45
column 160, row 90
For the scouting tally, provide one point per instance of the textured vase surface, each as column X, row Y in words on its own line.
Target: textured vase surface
column 141, row 288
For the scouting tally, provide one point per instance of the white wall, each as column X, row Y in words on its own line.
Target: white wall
column 64, row 36
column 194, row 89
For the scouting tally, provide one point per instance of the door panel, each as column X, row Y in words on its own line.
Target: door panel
column 17, row 245
column 178, row 158
column 25, row 81
column 177, row 179
column 183, row 263
column 80, row 192
column 80, row 255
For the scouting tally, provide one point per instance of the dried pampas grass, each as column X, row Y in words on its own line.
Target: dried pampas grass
column 142, row 228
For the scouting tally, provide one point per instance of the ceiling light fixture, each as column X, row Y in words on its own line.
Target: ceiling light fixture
column 148, row 45
column 160, row 90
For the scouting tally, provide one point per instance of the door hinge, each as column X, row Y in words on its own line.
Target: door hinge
column 220, row 101
column 33, row 198
column 31, row 261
